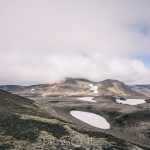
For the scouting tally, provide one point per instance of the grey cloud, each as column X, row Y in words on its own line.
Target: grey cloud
column 42, row 41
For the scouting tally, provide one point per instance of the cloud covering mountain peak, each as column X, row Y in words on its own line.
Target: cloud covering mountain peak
column 46, row 41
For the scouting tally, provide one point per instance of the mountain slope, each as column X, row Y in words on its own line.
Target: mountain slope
column 14, row 103
column 19, row 126
column 115, row 87
column 23, row 126
column 76, row 86
column 143, row 89
column 19, row 88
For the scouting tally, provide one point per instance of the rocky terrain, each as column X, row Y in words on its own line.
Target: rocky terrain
column 75, row 86
column 143, row 89
column 41, row 119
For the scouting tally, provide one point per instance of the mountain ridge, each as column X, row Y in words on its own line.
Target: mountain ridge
column 76, row 86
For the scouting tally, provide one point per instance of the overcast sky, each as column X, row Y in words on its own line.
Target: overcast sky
column 43, row 41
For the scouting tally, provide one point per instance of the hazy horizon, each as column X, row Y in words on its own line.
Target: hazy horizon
column 31, row 84
column 44, row 41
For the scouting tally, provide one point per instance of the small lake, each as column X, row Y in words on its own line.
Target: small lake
column 88, row 99
column 91, row 119
column 131, row 101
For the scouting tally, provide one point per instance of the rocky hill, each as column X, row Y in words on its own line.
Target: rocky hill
column 115, row 87
column 28, row 124
column 143, row 89
column 76, row 86
column 15, row 104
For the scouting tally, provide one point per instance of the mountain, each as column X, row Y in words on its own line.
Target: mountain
column 76, row 86
column 26, row 125
column 69, row 86
column 14, row 103
column 115, row 87
column 74, row 80
column 18, row 88
column 47, row 123
column 22, row 122
column 143, row 89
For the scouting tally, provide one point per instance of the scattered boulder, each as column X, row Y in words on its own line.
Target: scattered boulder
column 122, row 98
column 147, row 100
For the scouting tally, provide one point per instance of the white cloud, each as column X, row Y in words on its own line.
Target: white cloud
column 45, row 40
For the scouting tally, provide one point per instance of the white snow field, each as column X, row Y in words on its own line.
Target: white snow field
column 44, row 95
column 93, row 88
column 88, row 99
column 131, row 101
column 91, row 119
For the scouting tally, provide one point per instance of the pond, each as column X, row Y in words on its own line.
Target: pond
column 91, row 119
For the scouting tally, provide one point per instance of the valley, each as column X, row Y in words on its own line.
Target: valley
column 54, row 121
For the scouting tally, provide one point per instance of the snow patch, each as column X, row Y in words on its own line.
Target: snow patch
column 131, row 101
column 32, row 90
column 45, row 95
column 93, row 88
column 91, row 119
column 88, row 99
